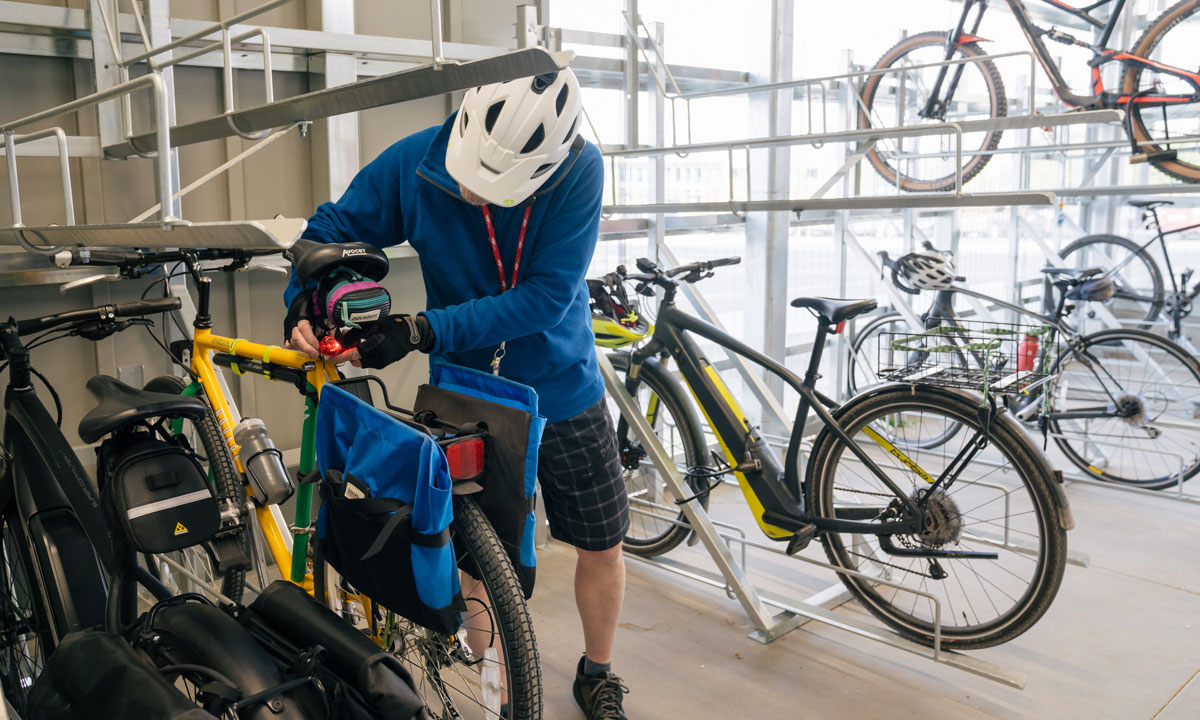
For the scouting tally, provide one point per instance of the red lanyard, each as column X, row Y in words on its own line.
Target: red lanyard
column 487, row 219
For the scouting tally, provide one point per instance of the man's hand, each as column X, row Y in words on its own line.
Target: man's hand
column 394, row 337
column 304, row 339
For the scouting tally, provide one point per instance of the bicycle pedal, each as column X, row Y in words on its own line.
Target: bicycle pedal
column 1161, row 155
column 801, row 539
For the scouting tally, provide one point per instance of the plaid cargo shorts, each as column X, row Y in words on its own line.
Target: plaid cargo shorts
column 583, row 484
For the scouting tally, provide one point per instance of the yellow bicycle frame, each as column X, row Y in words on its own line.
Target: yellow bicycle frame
column 318, row 372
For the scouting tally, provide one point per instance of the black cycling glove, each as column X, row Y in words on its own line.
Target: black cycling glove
column 300, row 309
column 392, row 338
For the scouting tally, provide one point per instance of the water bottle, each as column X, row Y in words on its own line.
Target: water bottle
column 263, row 462
column 1027, row 353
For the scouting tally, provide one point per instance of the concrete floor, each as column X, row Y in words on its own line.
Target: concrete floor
column 1122, row 639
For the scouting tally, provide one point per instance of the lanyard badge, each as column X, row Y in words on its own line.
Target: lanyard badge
column 504, row 284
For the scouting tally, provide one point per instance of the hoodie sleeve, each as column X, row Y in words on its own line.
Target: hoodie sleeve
column 369, row 210
column 556, row 268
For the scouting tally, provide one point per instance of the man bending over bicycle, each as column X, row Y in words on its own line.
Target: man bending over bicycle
column 502, row 204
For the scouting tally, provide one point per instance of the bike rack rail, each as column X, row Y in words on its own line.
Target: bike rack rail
column 768, row 626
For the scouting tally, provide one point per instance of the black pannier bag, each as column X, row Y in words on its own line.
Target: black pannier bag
column 158, row 495
column 95, row 675
column 379, row 686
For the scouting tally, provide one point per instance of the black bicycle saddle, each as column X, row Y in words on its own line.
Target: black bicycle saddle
column 312, row 259
column 835, row 310
column 1150, row 204
column 121, row 405
column 1073, row 275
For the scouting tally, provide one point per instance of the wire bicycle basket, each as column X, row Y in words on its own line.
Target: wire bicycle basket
column 986, row 357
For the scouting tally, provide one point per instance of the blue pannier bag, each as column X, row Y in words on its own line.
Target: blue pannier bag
column 386, row 511
column 509, row 410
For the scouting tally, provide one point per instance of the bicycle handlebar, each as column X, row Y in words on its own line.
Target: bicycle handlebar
column 101, row 313
column 136, row 258
column 694, row 271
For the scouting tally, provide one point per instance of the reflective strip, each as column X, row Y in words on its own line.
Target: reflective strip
column 169, row 503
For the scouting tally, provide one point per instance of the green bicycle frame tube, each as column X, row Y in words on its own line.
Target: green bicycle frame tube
column 308, row 463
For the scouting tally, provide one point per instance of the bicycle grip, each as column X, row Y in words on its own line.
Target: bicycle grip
column 147, row 307
column 100, row 256
column 735, row 260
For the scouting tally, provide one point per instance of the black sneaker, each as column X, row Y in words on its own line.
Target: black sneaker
column 599, row 696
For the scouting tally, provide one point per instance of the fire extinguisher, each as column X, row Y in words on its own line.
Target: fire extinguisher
column 1027, row 353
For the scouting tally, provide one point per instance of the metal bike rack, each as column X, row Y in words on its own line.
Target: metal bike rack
column 771, row 626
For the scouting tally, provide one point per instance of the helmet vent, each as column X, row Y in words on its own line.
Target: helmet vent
column 462, row 126
column 561, row 101
column 541, row 82
column 541, row 170
column 574, row 124
column 489, row 168
column 493, row 113
column 534, row 140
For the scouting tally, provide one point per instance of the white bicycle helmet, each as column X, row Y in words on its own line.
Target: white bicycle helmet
column 510, row 137
column 926, row 270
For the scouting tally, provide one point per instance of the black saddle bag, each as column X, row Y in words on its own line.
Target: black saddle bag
column 158, row 495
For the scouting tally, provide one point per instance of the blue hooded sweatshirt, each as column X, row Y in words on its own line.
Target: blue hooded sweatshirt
column 406, row 195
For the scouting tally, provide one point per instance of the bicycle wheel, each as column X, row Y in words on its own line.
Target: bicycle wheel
column 1172, row 39
column 656, row 524
column 446, row 670
column 1138, row 283
column 193, row 569
column 26, row 639
column 1002, row 502
column 895, row 99
column 1149, row 389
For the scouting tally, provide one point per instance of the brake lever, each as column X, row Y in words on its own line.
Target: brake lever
column 644, row 288
column 261, row 266
column 100, row 329
column 84, row 281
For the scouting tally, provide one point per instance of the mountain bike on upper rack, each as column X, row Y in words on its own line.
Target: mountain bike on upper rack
column 936, row 77
column 1139, row 292
column 447, row 669
column 980, row 524
column 1121, row 404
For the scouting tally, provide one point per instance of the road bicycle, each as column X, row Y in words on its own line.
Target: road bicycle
column 946, row 82
column 1121, row 404
column 1140, row 292
column 65, row 565
column 979, row 524
column 447, row 670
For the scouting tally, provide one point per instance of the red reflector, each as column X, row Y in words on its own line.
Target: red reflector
column 840, row 327
column 330, row 346
column 465, row 458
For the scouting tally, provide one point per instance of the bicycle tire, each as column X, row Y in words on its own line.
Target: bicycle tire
column 1076, row 450
column 1155, row 301
column 480, row 550
column 227, row 481
column 1136, row 125
column 663, row 385
column 990, row 140
column 1044, row 515
column 21, row 609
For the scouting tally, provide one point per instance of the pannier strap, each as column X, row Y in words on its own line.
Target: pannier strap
column 400, row 520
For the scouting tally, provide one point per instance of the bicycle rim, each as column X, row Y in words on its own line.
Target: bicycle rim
column 1149, row 388
column 1001, row 503
column 1170, row 40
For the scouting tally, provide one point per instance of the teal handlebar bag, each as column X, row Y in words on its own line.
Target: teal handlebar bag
column 386, row 510
column 510, row 411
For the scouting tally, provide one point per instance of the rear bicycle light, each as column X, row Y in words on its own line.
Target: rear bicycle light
column 465, row 458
